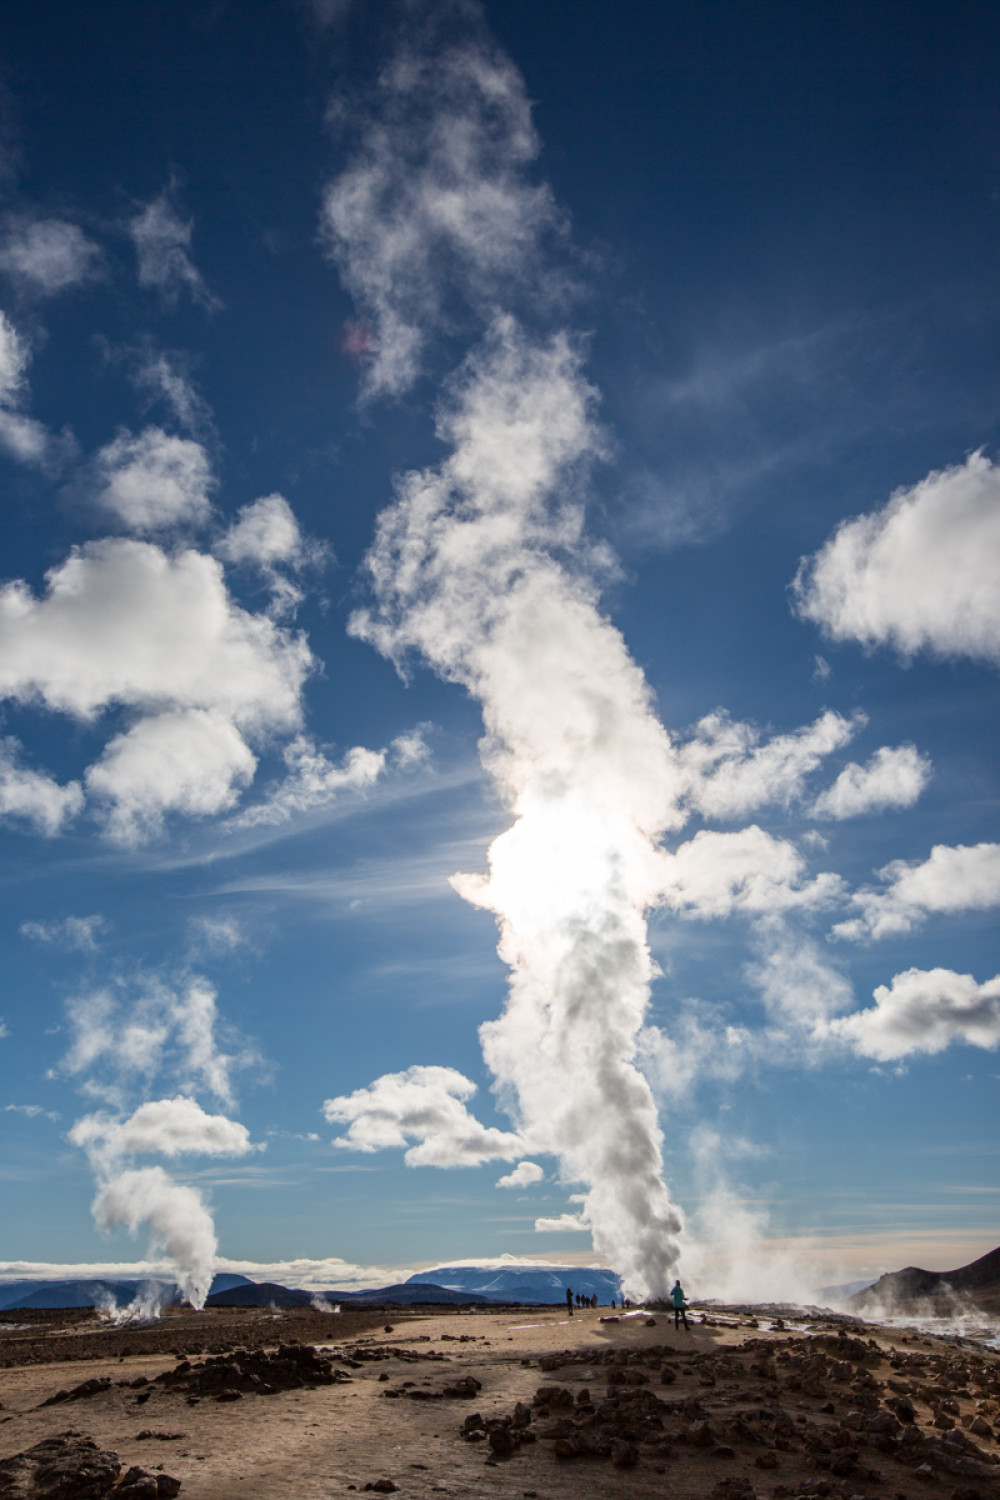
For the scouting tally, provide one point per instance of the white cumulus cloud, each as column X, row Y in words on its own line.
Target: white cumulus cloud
column 924, row 1011
column 265, row 533
column 728, row 772
column 33, row 797
column 715, row 874
column 425, row 1105
column 524, row 1175
column 919, row 574
column 193, row 761
column 963, row 877
column 267, row 537
column 575, row 1223
column 30, row 1111
column 164, row 375
column 313, row 781
column 893, row 777
column 165, row 1127
column 152, row 479
column 124, row 623
column 119, row 1041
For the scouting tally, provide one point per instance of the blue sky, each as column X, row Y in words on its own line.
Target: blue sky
column 620, row 384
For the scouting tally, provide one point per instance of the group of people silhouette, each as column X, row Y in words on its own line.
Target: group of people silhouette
column 677, row 1298
column 581, row 1300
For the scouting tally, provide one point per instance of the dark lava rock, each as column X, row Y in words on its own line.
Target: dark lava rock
column 253, row 1372
column 138, row 1485
column 382, row 1487
column 80, row 1392
column 503, row 1442
column 556, row 1396
column 72, row 1467
column 734, row 1488
column 465, row 1389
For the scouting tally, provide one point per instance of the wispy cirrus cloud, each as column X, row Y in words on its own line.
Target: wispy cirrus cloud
column 32, row 1112
column 80, row 933
column 122, row 1038
column 162, row 241
column 23, row 437
column 44, row 257
column 436, row 216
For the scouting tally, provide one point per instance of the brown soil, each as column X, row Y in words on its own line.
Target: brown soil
column 78, row 1334
column 724, row 1410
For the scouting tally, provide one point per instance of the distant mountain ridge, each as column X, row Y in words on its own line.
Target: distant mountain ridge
column 977, row 1283
column 402, row 1294
column 95, row 1291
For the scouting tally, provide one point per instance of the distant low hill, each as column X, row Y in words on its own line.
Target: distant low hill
column 406, row 1293
column 401, row 1294
column 259, row 1294
column 977, row 1283
column 96, row 1292
column 536, row 1285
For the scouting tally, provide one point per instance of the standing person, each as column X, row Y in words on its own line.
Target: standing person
column 569, row 1301
column 677, row 1297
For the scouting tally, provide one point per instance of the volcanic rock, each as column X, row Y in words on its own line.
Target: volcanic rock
column 253, row 1372
column 72, row 1467
column 79, row 1392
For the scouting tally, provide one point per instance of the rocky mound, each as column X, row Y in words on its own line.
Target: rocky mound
column 977, row 1283
column 252, row 1372
column 72, row 1467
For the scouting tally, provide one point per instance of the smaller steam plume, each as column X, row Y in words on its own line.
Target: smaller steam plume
column 179, row 1222
column 180, row 1226
column 144, row 1307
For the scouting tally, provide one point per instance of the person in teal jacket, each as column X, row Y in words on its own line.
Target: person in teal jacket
column 677, row 1297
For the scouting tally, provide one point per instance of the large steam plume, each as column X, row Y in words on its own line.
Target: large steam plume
column 480, row 567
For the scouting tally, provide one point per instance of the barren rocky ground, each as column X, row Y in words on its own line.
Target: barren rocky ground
column 525, row 1404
